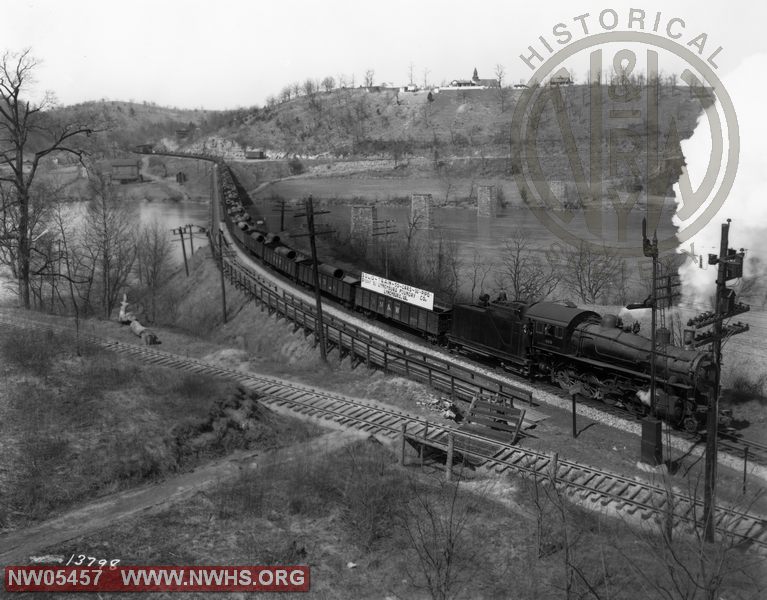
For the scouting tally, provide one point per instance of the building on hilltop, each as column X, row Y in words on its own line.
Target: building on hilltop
column 491, row 83
column 474, row 82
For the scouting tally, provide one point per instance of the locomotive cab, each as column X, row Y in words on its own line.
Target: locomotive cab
column 552, row 325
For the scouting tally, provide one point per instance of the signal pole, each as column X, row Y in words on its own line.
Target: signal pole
column 309, row 214
column 652, row 439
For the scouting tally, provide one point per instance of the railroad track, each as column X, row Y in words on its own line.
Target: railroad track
column 581, row 482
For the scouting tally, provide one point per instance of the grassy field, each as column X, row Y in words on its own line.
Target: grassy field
column 369, row 529
column 77, row 425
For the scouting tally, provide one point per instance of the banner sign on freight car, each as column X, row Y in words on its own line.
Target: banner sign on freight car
column 400, row 291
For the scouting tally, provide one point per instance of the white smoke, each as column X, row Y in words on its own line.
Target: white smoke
column 746, row 204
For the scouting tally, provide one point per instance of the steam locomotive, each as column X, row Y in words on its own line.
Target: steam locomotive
column 587, row 354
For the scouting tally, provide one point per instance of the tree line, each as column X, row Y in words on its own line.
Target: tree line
column 522, row 270
column 62, row 260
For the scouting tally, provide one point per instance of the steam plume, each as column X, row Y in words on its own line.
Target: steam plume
column 746, row 204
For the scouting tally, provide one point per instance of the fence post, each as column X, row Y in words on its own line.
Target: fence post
column 745, row 468
column 449, row 461
column 553, row 467
column 403, row 431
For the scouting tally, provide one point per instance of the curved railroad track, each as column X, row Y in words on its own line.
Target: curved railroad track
column 582, row 483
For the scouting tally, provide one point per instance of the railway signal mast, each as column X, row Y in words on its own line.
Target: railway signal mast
column 730, row 266
column 652, row 440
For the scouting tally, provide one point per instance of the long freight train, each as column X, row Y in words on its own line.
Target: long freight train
column 579, row 350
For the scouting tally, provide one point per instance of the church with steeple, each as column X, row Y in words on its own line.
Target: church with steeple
column 475, row 81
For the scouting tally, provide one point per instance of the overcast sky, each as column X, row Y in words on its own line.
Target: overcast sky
column 229, row 53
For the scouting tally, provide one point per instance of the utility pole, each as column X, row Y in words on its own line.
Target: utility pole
column 191, row 237
column 309, row 214
column 221, row 251
column 385, row 228
column 730, row 266
column 281, row 208
column 200, row 229
column 180, row 231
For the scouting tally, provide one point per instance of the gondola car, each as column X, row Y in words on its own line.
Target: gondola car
column 280, row 257
column 431, row 324
column 333, row 282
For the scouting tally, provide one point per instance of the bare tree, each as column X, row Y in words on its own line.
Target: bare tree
column 437, row 532
column 559, row 530
column 110, row 240
column 500, row 74
column 411, row 73
column 588, row 272
column 309, row 87
column 30, row 132
column 153, row 262
column 480, row 269
column 328, row 83
column 286, row 93
column 524, row 272
column 369, row 74
column 688, row 567
column 413, row 223
column 426, row 78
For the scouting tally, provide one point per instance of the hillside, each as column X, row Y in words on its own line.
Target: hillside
column 123, row 125
column 389, row 123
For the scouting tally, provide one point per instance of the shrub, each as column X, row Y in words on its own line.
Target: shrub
column 745, row 388
column 30, row 350
column 296, row 166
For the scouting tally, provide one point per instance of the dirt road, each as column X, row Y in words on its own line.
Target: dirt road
column 18, row 546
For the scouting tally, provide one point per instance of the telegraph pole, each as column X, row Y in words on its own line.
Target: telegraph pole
column 200, row 229
column 221, row 268
column 281, row 208
column 191, row 237
column 180, row 231
column 385, row 228
column 309, row 214
column 730, row 266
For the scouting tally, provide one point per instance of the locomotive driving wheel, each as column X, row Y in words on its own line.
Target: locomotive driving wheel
column 563, row 377
column 592, row 388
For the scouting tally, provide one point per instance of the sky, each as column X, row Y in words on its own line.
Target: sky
column 234, row 53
